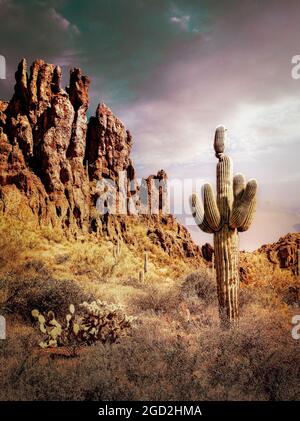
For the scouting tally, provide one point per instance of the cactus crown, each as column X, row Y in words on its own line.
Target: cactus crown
column 235, row 202
column 220, row 140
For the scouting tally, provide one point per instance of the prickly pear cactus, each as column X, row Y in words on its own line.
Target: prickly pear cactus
column 231, row 212
column 50, row 327
column 98, row 321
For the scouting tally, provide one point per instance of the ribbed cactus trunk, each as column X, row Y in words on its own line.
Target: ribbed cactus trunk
column 226, row 245
column 232, row 211
column 227, row 272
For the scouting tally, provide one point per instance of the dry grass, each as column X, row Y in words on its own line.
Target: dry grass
column 176, row 351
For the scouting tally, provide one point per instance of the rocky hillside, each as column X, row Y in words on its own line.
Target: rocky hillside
column 284, row 253
column 282, row 257
column 52, row 159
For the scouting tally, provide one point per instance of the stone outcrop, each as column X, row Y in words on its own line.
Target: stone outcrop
column 154, row 195
column 108, row 146
column 284, row 252
column 172, row 237
column 207, row 252
column 46, row 128
column 53, row 160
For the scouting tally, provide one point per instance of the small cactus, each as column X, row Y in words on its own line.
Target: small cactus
column 141, row 276
column 146, row 262
column 117, row 250
column 49, row 326
column 213, row 263
column 231, row 212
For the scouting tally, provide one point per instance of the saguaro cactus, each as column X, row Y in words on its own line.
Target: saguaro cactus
column 232, row 212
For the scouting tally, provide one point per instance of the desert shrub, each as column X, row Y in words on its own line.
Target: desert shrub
column 61, row 258
column 27, row 375
column 247, row 296
column 257, row 359
column 291, row 295
column 201, row 285
column 42, row 293
column 38, row 266
column 141, row 368
column 265, row 297
column 157, row 300
column 15, row 237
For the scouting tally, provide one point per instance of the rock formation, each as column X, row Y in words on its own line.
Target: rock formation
column 52, row 160
column 207, row 252
column 46, row 129
column 285, row 252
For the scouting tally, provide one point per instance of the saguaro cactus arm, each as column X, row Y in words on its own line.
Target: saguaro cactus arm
column 244, row 207
column 239, row 184
column 211, row 210
column 250, row 216
column 198, row 214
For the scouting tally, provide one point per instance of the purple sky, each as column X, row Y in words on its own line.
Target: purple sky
column 237, row 74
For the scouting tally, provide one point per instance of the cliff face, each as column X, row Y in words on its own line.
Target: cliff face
column 43, row 145
column 52, row 159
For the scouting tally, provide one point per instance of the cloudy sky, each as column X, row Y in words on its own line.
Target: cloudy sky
column 173, row 70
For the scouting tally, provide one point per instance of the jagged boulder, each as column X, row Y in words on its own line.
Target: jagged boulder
column 172, row 237
column 108, row 145
column 207, row 252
